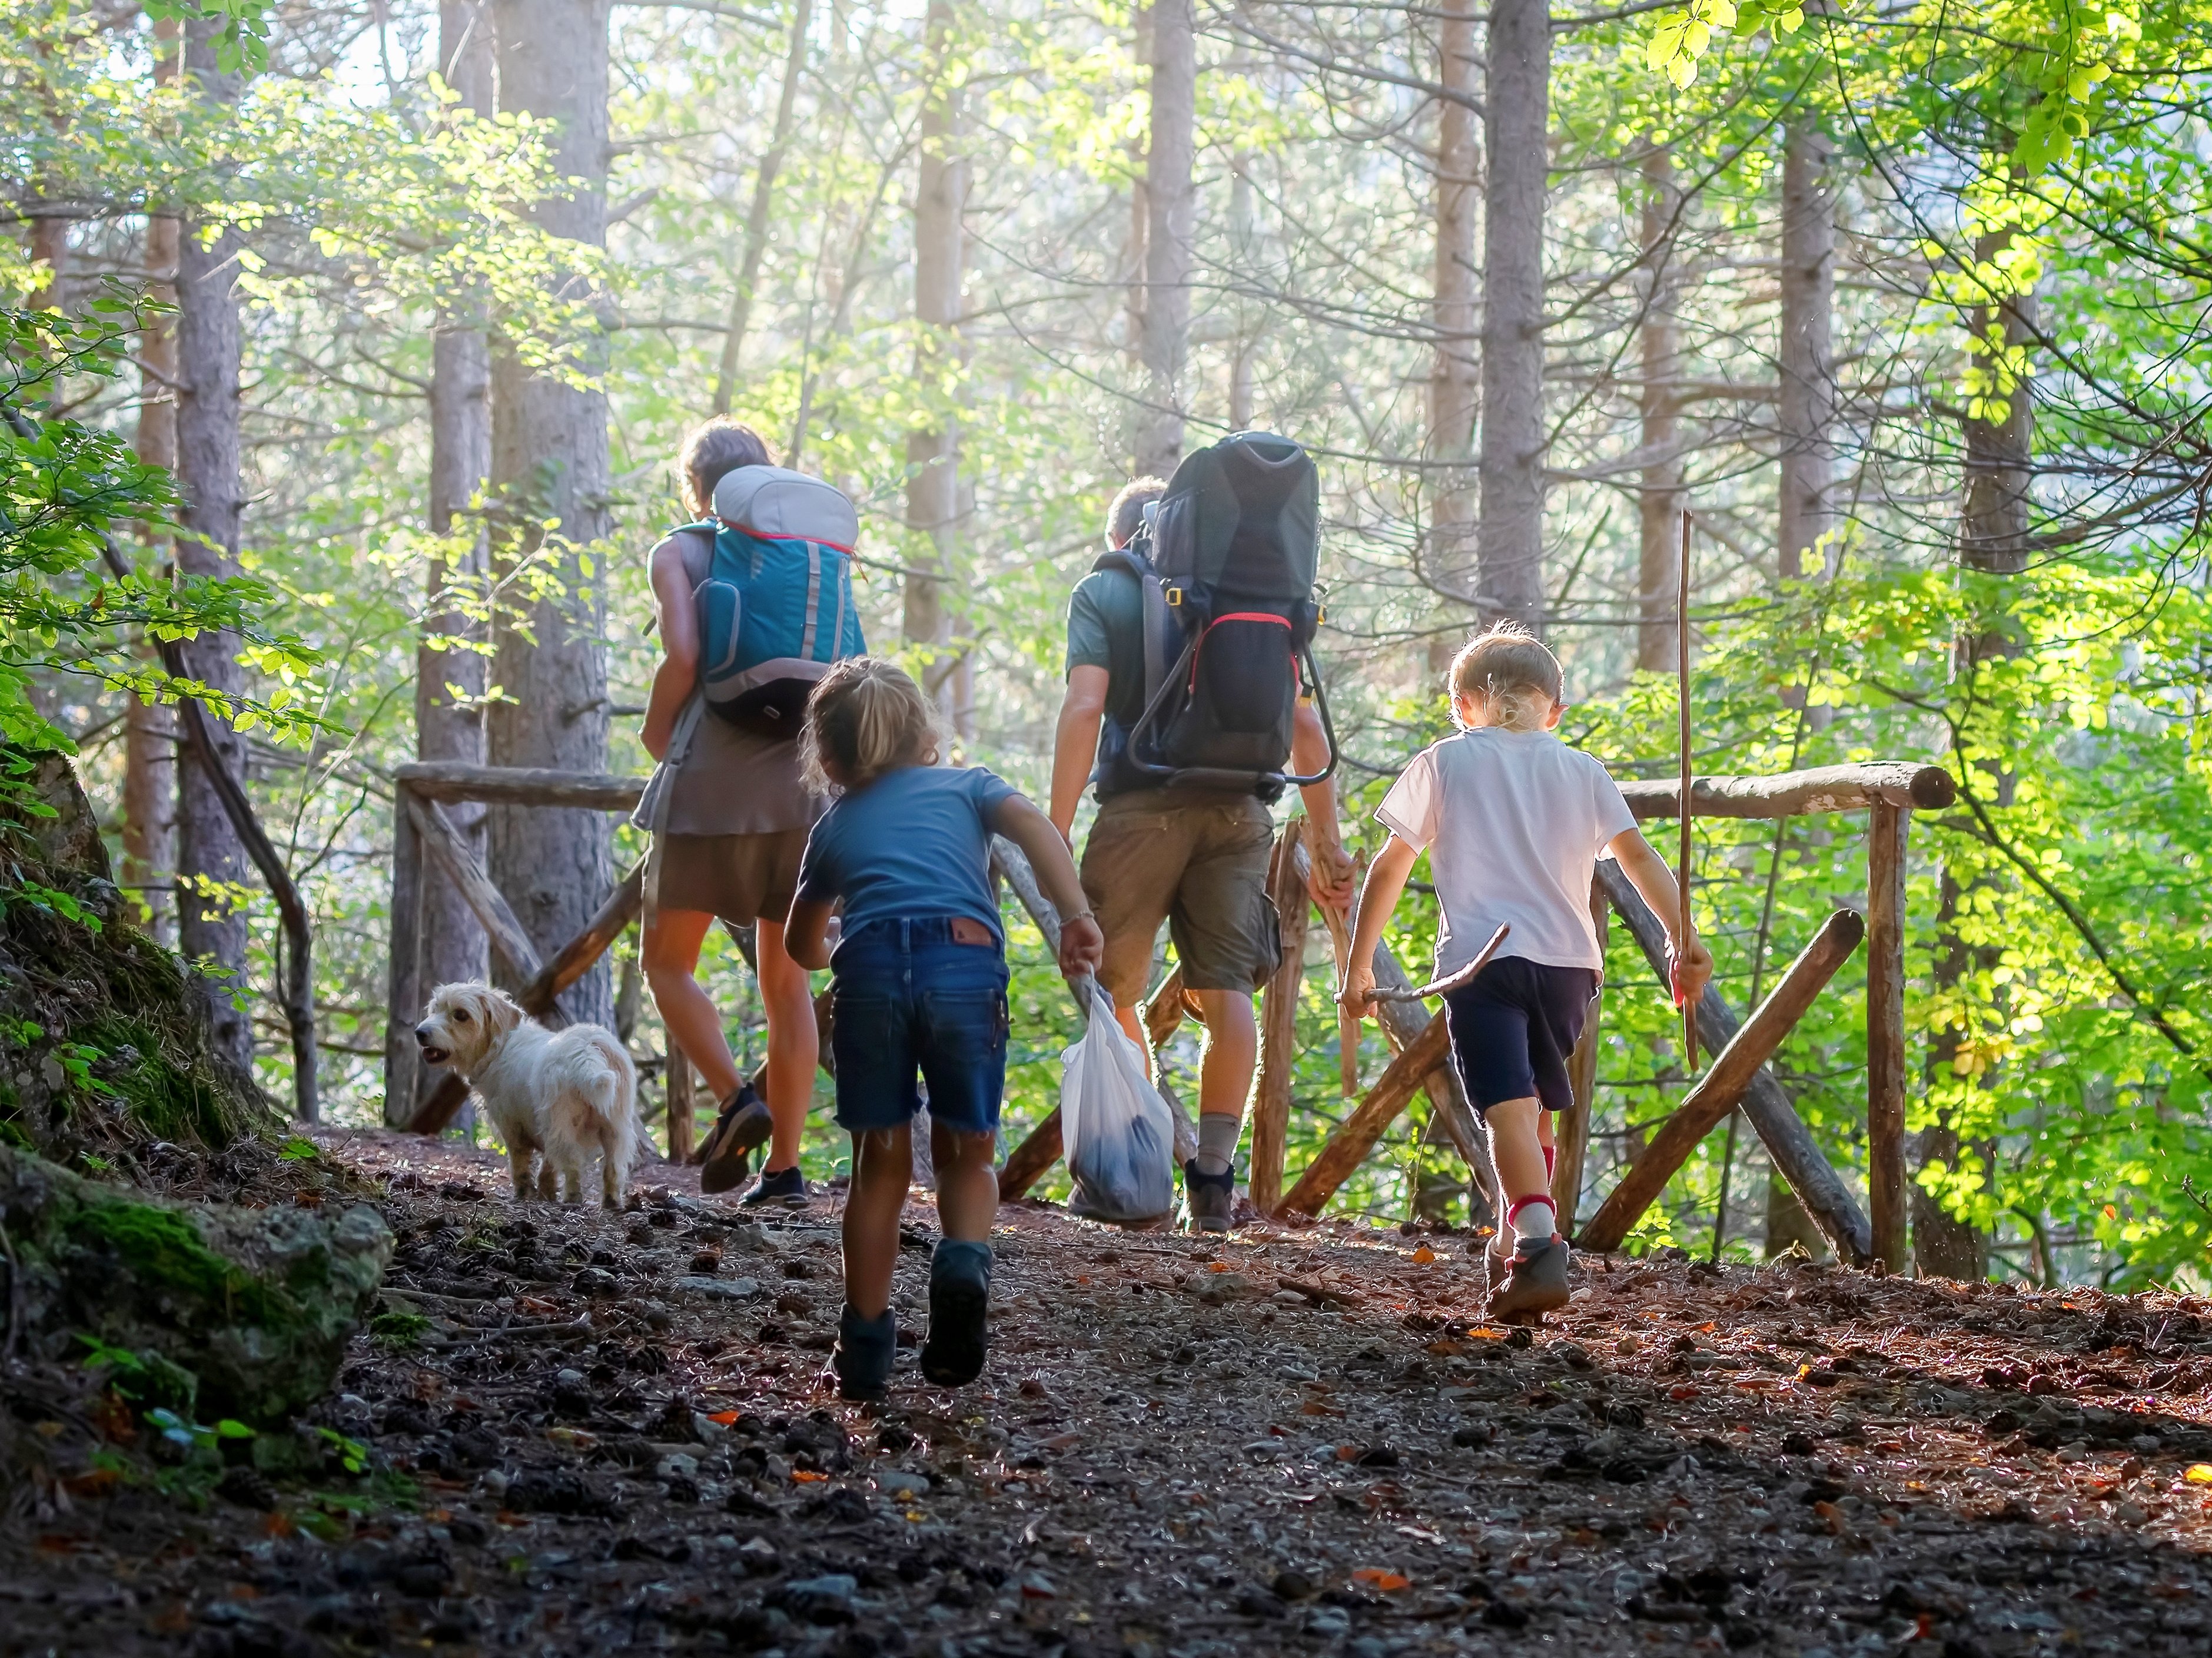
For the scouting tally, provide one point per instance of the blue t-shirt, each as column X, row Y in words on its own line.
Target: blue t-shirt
column 915, row 842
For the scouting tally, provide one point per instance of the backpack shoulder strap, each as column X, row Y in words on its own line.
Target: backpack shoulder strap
column 1157, row 624
column 707, row 528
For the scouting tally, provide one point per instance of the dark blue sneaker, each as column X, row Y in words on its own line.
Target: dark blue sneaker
column 1209, row 1200
column 725, row 1156
column 866, row 1348
column 777, row 1185
column 959, row 1301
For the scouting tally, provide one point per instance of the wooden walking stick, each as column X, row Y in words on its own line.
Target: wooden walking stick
column 1682, row 681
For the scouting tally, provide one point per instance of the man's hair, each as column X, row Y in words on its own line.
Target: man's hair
column 866, row 716
column 714, row 449
column 1512, row 673
column 1125, row 514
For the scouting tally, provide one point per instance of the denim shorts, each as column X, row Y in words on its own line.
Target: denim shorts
column 1512, row 1028
column 907, row 999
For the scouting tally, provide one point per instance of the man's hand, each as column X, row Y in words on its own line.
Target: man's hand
column 1357, row 993
column 1689, row 971
column 1082, row 946
column 1332, row 876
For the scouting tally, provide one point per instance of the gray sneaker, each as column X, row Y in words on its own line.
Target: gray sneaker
column 1209, row 1200
column 1535, row 1280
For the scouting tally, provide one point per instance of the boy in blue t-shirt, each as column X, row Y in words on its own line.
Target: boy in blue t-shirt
column 919, row 985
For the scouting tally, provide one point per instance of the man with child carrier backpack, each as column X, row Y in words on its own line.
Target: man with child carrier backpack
column 754, row 602
column 1192, row 705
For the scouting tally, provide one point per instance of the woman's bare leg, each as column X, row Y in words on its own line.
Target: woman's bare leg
column 794, row 1045
column 671, row 957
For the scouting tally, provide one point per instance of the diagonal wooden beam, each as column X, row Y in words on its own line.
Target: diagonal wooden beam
column 1356, row 1136
column 1722, row 1087
column 444, row 843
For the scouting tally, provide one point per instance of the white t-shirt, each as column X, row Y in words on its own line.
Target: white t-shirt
column 1512, row 822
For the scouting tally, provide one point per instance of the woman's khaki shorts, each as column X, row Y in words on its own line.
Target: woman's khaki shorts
column 741, row 879
column 1201, row 867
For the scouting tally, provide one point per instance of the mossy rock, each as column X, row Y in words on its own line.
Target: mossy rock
column 256, row 1304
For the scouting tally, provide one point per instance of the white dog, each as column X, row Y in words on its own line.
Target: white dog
column 568, row 1095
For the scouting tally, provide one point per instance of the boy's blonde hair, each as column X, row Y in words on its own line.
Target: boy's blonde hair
column 1512, row 673
column 865, row 716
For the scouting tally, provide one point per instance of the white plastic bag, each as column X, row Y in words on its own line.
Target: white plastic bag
column 1118, row 1130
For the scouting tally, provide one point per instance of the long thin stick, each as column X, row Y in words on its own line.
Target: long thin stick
column 1682, row 663
column 1450, row 981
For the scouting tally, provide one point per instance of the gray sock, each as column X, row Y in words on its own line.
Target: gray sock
column 1218, row 1133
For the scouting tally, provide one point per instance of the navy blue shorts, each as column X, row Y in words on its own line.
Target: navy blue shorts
column 1512, row 1028
column 907, row 999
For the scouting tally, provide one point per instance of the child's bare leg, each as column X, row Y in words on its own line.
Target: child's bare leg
column 1519, row 1130
column 967, row 1184
column 882, row 1165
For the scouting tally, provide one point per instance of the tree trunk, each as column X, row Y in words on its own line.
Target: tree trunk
column 550, row 462
column 1992, row 540
column 1808, row 369
column 211, row 861
column 1511, row 535
column 933, row 456
column 449, row 683
column 1133, row 251
column 1169, row 206
column 149, row 730
column 756, row 218
column 1659, row 559
column 1454, row 376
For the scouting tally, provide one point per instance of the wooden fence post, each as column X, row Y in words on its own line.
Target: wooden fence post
column 402, row 1063
column 1572, row 1131
column 682, row 1111
column 1278, row 1034
column 1886, row 1195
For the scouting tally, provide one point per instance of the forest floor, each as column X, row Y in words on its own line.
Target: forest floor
column 612, row 1433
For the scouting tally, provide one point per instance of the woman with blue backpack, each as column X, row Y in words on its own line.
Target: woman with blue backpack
column 753, row 600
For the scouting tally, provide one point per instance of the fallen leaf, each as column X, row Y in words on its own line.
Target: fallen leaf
column 1388, row 1583
column 2200, row 1473
column 806, row 1476
column 725, row 1417
column 1678, row 1394
column 1424, row 1255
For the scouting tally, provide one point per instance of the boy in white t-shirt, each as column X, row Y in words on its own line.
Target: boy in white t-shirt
column 1513, row 821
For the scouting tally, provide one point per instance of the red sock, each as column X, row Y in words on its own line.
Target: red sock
column 1551, row 1162
column 1543, row 1218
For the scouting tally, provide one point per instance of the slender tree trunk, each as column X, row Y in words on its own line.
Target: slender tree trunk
column 1659, row 555
column 1454, row 374
column 211, row 862
column 1133, row 251
column 149, row 730
column 1510, row 538
column 1992, row 539
column 449, row 679
column 756, row 218
column 550, row 462
column 933, row 456
column 1171, row 203
column 1243, row 240
column 1808, row 369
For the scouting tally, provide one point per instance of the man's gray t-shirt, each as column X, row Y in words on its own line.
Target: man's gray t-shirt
column 1106, row 628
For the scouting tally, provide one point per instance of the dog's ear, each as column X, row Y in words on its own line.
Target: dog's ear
column 500, row 1011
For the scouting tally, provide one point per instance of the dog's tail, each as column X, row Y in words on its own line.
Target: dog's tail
column 611, row 1087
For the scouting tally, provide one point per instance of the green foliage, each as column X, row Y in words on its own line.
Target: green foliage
column 399, row 1329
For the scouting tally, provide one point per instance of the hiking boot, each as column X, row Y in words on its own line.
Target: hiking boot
column 864, row 1349
column 726, row 1157
column 1535, row 1279
column 959, row 1300
column 784, row 1185
column 1209, row 1200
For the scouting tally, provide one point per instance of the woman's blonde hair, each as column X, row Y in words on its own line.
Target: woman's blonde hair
column 1512, row 672
column 865, row 716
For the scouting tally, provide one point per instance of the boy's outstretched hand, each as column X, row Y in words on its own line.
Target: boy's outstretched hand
column 1689, row 971
column 1082, row 946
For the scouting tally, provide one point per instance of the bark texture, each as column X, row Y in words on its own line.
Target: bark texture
column 449, row 679
column 932, row 454
column 1510, row 538
column 550, row 462
column 1809, row 367
column 1170, row 205
column 211, row 861
column 1659, row 557
column 1454, row 376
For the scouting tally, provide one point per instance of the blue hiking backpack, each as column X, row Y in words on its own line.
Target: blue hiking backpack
column 776, row 607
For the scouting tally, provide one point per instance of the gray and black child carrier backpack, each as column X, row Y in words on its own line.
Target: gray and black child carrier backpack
column 1226, row 560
